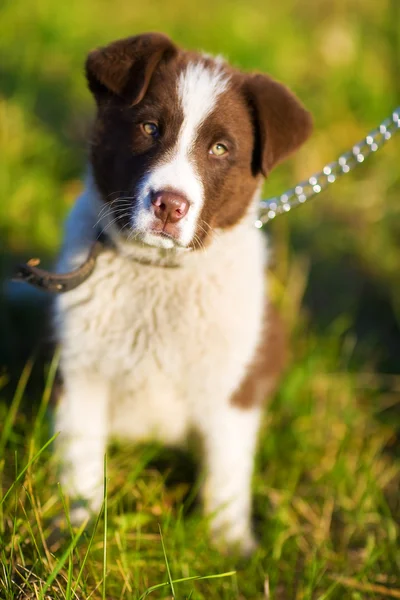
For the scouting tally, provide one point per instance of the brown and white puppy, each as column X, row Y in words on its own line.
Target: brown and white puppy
column 172, row 332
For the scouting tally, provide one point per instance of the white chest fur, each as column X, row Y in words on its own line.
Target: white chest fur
column 170, row 342
column 153, row 352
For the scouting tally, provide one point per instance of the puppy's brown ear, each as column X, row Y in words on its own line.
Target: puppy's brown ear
column 125, row 67
column 282, row 123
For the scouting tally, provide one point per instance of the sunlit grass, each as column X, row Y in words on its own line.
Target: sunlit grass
column 325, row 496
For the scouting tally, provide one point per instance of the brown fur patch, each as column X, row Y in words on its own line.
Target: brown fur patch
column 270, row 360
column 120, row 154
column 282, row 122
column 229, row 182
column 135, row 81
column 126, row 66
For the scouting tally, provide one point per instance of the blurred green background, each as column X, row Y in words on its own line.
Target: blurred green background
column 341, row 57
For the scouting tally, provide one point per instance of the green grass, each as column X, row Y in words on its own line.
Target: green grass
column 325, row 494
column 326, row 484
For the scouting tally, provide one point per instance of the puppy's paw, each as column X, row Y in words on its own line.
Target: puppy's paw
column 248, row 545
column 79, row 515
column 243, row 544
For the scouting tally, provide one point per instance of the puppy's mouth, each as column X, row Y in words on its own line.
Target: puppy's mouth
column 159, row 238
column 157, row 232
column 164, row 234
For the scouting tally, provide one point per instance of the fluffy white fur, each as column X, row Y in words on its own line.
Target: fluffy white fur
column 153, row 352
column 149, row 351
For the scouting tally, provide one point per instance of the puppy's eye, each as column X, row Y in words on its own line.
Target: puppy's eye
column 150, row 129
column 218, row 150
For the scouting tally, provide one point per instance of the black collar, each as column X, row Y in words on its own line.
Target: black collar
column 65, row 282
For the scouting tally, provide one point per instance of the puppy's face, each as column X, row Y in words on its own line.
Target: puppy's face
column 181, row 140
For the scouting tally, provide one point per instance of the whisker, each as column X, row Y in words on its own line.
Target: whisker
column 202, row 243
column 117, row 192
column 103, row 216
column 108, row 208
column 104, row 229
column 120, row 199
column 197, row 240
column 214, row 234
column 132, row 235
column 211, row 229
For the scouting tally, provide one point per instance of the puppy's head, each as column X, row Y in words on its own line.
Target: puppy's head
column 181, row 140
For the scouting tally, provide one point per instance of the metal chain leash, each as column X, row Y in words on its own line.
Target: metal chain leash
column 53, row 282
column 330, row 173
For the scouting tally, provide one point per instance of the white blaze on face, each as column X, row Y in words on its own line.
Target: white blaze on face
column 198, row 89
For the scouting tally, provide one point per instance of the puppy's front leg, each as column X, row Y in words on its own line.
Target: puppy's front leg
column 81, row 419
column 229, row 442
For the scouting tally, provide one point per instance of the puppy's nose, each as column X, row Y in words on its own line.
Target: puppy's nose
column 169, row 206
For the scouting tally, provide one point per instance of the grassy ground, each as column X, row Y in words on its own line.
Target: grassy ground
column 326, row 487
column 325, row 495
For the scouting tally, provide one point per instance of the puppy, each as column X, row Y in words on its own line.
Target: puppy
column 173, row 333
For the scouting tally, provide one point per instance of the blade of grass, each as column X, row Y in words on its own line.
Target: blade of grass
column 39, row 529
column 13, row 537
column 32, row 460
column 30, row 530
column 105, row 529
column 370, row 588
column 66, row 511
column 88, row 550
column 69, row 579
column 184, row 579
column 46, row 393
column 16, row 401
column 329, row 591
column 62, row 560
column 167, row 563
column 70, row 560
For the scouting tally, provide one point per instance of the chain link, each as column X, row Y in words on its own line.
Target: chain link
column 330, row 173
